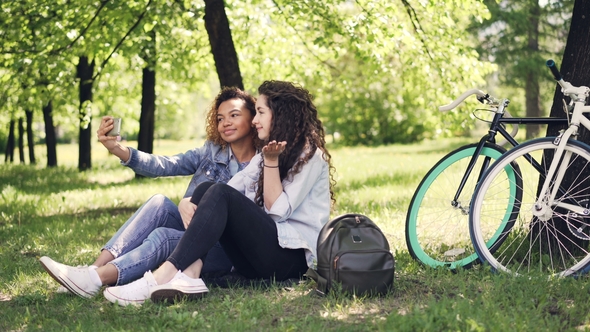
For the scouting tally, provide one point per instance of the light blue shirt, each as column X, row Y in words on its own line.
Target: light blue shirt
column 302, row 208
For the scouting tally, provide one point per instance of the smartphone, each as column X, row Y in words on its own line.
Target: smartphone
column 116, row 131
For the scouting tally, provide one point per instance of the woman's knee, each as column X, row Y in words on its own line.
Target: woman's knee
column 160, row 201
column 200, row 190
column 220, row 187
column 163, row 235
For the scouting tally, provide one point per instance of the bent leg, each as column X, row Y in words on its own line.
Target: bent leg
column 148, row 256
column 158, row 211
column 247, row 234
column 154, row 251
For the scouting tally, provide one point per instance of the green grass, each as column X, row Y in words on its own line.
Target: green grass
column 68, row 215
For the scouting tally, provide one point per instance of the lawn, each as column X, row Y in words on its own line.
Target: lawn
column 68, row 215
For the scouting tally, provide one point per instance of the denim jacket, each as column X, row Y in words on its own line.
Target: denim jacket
column 303, row 207
column 207, row 163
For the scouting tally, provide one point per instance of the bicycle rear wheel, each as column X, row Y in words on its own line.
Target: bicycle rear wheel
column 554, row 243
column 437, row 232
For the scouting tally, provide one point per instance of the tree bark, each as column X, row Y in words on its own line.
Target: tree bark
column 50, row 139
column 147, row 118
column 575, row 65
column 30, row 137
column 9, row 153
column 85, row 70
column 21, row 141
column 148, row 111
column 575, row 68
column 532, row 86
column 222, row 45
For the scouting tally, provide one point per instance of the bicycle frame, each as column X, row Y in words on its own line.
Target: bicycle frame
column 495, row 128
column 543, row 202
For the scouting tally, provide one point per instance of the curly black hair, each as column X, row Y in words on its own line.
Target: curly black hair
column 294, row 120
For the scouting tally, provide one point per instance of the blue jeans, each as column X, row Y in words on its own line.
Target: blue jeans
column 149, row 237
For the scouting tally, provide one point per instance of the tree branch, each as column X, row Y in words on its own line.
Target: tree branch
column 104, row 63
column 303, row 40
column 83, row 32
column 417, row 27
column 63, row 48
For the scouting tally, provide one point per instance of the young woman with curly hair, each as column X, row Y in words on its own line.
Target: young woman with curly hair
column 150, row 235
column 267, row 218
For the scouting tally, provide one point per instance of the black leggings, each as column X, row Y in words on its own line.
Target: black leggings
column 247, row 234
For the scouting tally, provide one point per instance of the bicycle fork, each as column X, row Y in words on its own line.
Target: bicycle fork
column 476, row 154
column 543, row 207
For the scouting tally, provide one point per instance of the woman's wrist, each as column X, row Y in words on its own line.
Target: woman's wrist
column 270, row 163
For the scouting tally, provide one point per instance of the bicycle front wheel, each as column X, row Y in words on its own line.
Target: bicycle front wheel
column 537, row 240
column 437, row 232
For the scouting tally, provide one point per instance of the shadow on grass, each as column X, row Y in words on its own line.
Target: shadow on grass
column 32, row 180
column 88, row 228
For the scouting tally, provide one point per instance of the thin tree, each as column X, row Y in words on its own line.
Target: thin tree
column 9, row 152
column 145, row 139
column 21, row 140
column 85, row 71
column 30, row 137
column 50, row 137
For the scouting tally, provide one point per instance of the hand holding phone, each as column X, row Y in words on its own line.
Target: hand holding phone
column 116, row 131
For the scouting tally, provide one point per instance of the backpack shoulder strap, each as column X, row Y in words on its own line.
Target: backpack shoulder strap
column 322, row 283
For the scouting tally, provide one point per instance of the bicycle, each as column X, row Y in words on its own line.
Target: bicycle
column 548, row 230
column 437, row 218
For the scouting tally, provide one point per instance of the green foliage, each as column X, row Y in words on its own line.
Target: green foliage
column 378, row 69
column 507, row 39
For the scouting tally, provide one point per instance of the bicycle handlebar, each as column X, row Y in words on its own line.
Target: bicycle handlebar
column 553, row 67
column 480, row 95
column 578, row 93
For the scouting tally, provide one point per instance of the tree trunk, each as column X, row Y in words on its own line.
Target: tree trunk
column 575, row 68
column 222, row 45
column 532, row 96
column 30, row 137
column 50, row 139
column 147, row 118
column 9, row 153
column 145, row 140
column 21, row 141
column 85, row 70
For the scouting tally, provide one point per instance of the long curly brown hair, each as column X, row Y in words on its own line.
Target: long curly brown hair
column 228, row 93
column 294, row 120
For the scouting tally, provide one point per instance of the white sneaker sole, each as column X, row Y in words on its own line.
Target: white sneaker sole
column 62, row 290
column 170, row 295
column 120, row 301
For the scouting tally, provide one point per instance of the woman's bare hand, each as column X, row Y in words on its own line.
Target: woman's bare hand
column 186, row 209
column 111, row 142
column 106, row 124
column 272, row 150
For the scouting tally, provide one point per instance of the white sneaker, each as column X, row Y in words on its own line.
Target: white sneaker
column 181, row 286
column 76, row 280
column 62, row 290
column 133, row 293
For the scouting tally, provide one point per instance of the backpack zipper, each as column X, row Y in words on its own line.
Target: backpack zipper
column 374, row 251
